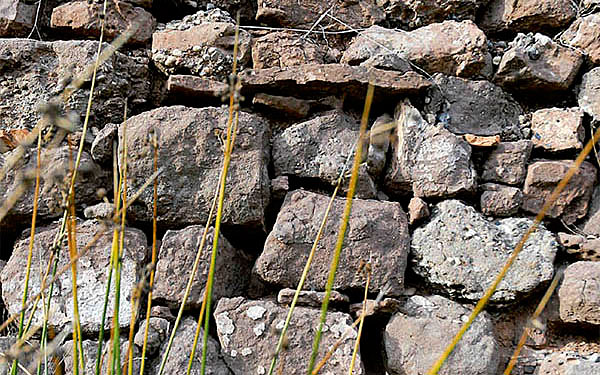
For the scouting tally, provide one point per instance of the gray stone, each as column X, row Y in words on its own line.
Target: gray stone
column 473, row 107
column 102, row 145
column 311, row 298
column 249, row 330
column 579, row 293
column 101, row 210
column 500, row 200
column 377, row 232
column 431, row 322
column 460, row 253
column 91, row 275
column 280, row 187
column 572, row 203
column 568, row 363
column 190, row 148
column 365, row 186
column 158, row 329
column 384, row 307
column 16, row 18
column 450, row 47
column 534, row 62
column 507, row 163
column 526, row 15
column 175, row 261
column 90, row 353
column 25, row 354
column 427, row 159
column 584, row 34
column 589, row 93
column 591, row 225
column 411, row 14
column 557, row 129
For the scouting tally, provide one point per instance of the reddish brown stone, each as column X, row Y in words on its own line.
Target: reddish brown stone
column 16, row 18
column 417, row 210
column 500, row 200
column 570, row 240
column 81, row 18
column 579, row 293
column 527, row 15
column 557, row 129
column 572, row 203
column 507, row 163
column 482, row 141
column 287, row 105
column 281, row 49
column 584, row 34
column 192, row 86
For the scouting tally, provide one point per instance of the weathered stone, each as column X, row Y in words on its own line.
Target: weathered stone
column 158, row 329
column 568, row 363
column 180, row 353
column 16, row 18
column 482, row 140
column 33, row 72
column 572, row 203
column 281, row 49
column 190, row 148
column 411, row 14
column 385, row 306
column 91, row 275
column 102, row 210
column 592, row 223
column 90, row 353
column 311, row 298
column 336, row 79
column 589, row 250
column 288, row 106
column 579, row 293
column 431, row 322
column 473, row 107
column 176, row 258
column 584, row 34
column 246, row 8
column 365, row 186
column 186, row 86
column 460, row 253
column 248, row 331
column 499, row 200
column 102, row 145
column 304, row 13
column 570, row 240
column 26, row 354
column 589, row 93
column 450, row 47
column 557, row 129
column 535, row 62
column 508, row 162
column 83, row 19
column 527, row 15
column 379, row 144
column 378, row 233
column 162, row 312
column 417, row 210
column 427, row 159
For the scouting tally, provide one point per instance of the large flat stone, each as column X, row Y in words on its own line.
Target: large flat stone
column 579, row 293
column 527, row 15
column 584, row 34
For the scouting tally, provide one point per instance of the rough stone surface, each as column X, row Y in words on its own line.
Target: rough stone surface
column 16, row 18
column 280, row 187
column 427, row 159
column 176, row 259
column 180, row 353
column 568, row 363
column 90, row 352
column 592, row 222
column 500, row 200
column 450, row 47
column 417, row 210
column 102, row 210
column 457, row 236
column 158, row 331
column 192, row 87
column 557, row 129
column 287, row 106
column 589, row 93
column 431, row 322
column 482, row 140
column 384, row 307
column 82, row 19
column 32, row 72
column 584, row 34
column 91, row 275
column 102, row 145
column 411, row 14
column 190, row 149
column 535, row 62
column 473, row 107
column 311, row 298
column 527, row 15
column 572, row 203
column 377, row 232
column 248, row 331
column 507, row 163
column 579, row 293
column 281, row 49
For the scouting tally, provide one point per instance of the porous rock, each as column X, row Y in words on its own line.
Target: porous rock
column 584, row 34
column 450, row 47
column 16, row 18
column 90, row 353
column 557, row 129
column 460, row 253
column 431, row 322
column 184, row 86
column 190, row 146
column 410, row 14
column 500, row 200
column 158, row 330
column 91, row 275
column 287, row 106
column 526, row 15
column 311, row 298
column 377, row 232
column 281, row 49
column 591, row 226
column 589, row 93
column 176, row 258
column 568, row 363
column 572, row 203
column 102, row 145
column 249, row 330
column 579, row 293
column 507, row 163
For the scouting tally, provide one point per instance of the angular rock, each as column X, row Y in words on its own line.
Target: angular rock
column 90, row 353
column 180, row 353
column 91, row 275
column 102, row 145
column 460, row 253
column 579, row 293
column 507, row 163
column 572, row 203
column 83, row 19
column 247, row 8
column 568, row 363
column 365, row 186
column 334, row 79
column 592, row 223
column 280, row 187
column 500, row 200
column 411, row 14
column 99, row 211
column 176, row 259
column 249, row 330
column 304, row 13
column 450, row 47
column 378, row 233
column 158, row 331
column 473, row 107
column 417, row 210
column 190, row 148
column 557, row 129
column 482, row 140
column 33, row 72
column 16, row 18
column 534, row 62
column 282, row 49
column 289, row 107
column 584, row 34
column 311, row 298
column 162, row 312
column 431, row 322
column 589, row 93
column 570, row 240
column 383, row 307
column 589, row 250
column 379, row 144
column 181, row 86
column 527, row 15
column 427, row 159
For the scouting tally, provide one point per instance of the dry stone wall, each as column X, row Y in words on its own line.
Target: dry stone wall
column 479, row 109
